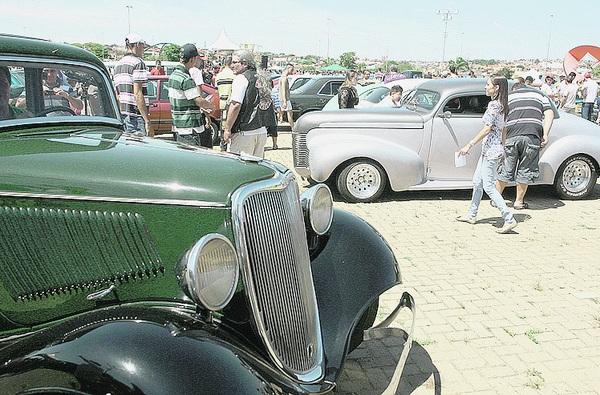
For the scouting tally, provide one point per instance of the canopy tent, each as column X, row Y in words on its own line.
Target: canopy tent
column 334, row 67
column 224, row 43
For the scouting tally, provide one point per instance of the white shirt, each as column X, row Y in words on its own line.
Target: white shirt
column 570, row 93
column 387, row 102
column 238, row 92
column 591, row 89
column 196, row 74
column 547, row 89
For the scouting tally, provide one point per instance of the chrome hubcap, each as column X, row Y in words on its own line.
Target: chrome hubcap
column 577, row 176
column 363, row 181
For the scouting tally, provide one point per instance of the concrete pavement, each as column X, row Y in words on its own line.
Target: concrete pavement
column 497, row 314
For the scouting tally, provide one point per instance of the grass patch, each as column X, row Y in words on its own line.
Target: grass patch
column 535, row 379
column 538, row 286
column 531, row 335
column 509, row 332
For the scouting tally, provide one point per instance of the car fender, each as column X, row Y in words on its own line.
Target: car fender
column 563, row 148
column 354, row 267
column 327, row 151
column 143, row 350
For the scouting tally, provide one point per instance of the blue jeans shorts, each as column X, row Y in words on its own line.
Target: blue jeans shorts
column 521, row 163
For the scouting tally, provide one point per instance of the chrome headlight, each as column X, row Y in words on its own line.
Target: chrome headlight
column 209, row 271
column 317, row 204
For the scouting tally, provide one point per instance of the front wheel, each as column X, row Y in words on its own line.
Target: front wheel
column 576, row 178
column 361, row 181
column 366, row 321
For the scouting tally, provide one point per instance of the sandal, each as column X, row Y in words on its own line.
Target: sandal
column 521, row 206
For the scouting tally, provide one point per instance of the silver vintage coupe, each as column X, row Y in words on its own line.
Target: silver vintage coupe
column 363, row 151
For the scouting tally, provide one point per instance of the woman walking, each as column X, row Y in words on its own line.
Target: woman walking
column 348, row 95
column 492, row 151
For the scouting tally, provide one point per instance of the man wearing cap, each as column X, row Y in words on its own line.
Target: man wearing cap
column 244, row 129
column 131, row 77
column 590, row 92
column 568, row 94
column 186, row 101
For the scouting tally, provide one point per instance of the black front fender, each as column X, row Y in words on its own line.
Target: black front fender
column 148, row 350
column 354, row 267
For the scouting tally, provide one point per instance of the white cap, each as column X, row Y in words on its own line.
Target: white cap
column 133, row 38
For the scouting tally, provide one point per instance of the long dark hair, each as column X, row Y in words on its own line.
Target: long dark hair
column 502, row 94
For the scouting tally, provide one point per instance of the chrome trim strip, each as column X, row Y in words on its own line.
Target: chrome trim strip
column 278, row 182
column 114, row 199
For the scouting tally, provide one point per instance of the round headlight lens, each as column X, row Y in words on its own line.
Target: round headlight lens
column 212, row 271
column 318, row 205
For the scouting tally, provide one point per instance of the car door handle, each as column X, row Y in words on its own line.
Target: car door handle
column 154, row 105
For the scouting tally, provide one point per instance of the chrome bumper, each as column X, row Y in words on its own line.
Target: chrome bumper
column 406, row 301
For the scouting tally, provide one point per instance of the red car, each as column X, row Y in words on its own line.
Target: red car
column 160, row 108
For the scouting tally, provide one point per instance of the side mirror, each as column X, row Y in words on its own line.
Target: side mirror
column 445, row 114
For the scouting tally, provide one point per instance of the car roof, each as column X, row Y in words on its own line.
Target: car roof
column 20, row 45
column 449, row 86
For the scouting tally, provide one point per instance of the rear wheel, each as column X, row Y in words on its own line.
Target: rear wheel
column 361, row 181
column 576, row 178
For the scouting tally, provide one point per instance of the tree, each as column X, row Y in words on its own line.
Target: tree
column 506, row 72
column 348, row 60
column 170, row 52
column 400, row 65
column 97, row 49
column 459, row 64
column 596, row 72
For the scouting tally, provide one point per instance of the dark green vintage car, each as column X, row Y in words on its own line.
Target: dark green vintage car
column 134, row 265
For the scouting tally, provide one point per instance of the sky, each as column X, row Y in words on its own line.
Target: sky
column 398, row 30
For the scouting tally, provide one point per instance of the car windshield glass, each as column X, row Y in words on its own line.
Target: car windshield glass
column 423, row 99
column 299, row 82
column 42, row 90
column 375, row 95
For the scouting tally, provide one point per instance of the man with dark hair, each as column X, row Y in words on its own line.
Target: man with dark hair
column 224, row 79
column 131, row 77
column 568, row 94
column 393, row 99
column 244, row 129
column 529, row 81
column 158, row 69
column 187, row 102
column 6, row 110
column 530, row 117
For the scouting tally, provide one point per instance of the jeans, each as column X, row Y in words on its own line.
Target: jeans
column 135, row 124
column 586, row 111
column 484, row 179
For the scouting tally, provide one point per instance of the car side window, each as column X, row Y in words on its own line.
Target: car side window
column 151, row 90
column 164, row 91
column 326, row 89
column 467, row 105
column 335, row 87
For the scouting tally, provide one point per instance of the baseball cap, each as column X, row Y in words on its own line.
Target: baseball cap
column 134, row 39
column 188, row 51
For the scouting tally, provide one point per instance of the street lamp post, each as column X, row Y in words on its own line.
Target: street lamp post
column 129, row 7
column 328, row 33
column 446, row 16
column 549, row 38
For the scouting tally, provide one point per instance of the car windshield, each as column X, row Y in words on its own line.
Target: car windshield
column 42, row 90
column 299, row 82
column 422, row 99
column 375, row 95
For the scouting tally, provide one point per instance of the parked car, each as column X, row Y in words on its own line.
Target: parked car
column 360, row 152
column 370, row 95
column 160, row 107
column 314, row 94
column 136, row 265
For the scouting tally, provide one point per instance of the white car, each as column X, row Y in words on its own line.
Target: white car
column 372, row 94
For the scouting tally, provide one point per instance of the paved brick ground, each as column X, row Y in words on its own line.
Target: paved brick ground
column 497, row 314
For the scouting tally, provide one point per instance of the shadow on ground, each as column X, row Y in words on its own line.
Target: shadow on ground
column 369, row 368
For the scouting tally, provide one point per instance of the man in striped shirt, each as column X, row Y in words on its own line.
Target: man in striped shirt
column 131, row 77
column 528, row 124
column 186, row 101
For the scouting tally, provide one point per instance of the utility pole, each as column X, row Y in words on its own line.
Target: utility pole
column 328, row 33
column 129, row 7
column 549, row 38
column 446, row 17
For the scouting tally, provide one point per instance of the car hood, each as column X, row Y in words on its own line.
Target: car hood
column 388, row 118
column 106, row 163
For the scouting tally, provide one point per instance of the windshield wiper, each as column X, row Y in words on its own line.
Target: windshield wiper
column 49, row 132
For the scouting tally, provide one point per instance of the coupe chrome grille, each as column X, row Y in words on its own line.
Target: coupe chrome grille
column 300, row 150
column 272, row 239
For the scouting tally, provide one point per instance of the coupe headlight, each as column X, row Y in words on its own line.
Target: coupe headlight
column 317, row 204
column 210, row 271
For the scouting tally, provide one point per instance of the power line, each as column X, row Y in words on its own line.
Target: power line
column 446, row 17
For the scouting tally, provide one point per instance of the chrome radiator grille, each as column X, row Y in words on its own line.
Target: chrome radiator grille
column 300, row 150
column 276, row 265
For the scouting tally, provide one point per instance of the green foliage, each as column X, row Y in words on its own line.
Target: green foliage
column 505, row 72
column 596, row 72
column 348, row 60
column 97, row 49
column 459, row 64
column 170, row 52
column 402, row 66
column 485, row 62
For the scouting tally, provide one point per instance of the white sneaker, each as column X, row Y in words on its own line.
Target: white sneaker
column 508, row 226
column 467, row 219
